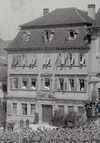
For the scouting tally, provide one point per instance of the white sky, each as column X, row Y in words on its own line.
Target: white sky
column 16, row 12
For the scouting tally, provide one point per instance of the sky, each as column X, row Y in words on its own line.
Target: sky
column 16, row 12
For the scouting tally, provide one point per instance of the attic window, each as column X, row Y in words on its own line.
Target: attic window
column 71, row 34
column 26, row 36
column 48, row 35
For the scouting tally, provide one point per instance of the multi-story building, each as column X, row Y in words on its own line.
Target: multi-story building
column 53, row 63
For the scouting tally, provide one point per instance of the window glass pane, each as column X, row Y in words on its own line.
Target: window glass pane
column 82, row 59
column 80, row 110
column 33, row 83
column 61, row 109
column 47, row 83
column 61, row 84
column 14, row 108
column 15, row 82
column 25, row 83
column 71, row 84
column 70, row 109
column 33, row 108
column 82, row 84
column 24, row 109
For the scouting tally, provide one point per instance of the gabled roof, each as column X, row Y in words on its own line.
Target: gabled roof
column 64, row 16
column 57, row 43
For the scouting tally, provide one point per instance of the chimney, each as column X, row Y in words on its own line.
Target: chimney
column 45, row 11
column 91, row 11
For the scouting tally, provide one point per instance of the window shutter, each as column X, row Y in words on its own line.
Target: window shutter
column 85, row 85
column 65, row 84
column 11, row 84
column 9, row 108
column 42, row 83
column 19, row 82
column 51, row 84
column 56, row 84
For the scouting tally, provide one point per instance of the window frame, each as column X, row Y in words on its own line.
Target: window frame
column 32, row 109
column 48, row 35
column 34, row 87
column 24, row 108
column 71, row 79
column 81, row 108
column 81, row 56
column 27, row 83
column 14, row 108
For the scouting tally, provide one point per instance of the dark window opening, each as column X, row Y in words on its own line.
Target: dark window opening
column 24, row 109
column 47, row 83
column 61, row 84
column 33, row 83
column 82, row 84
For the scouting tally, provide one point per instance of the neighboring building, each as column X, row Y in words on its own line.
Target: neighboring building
column 53, row 63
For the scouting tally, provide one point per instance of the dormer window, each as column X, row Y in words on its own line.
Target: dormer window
column 26, row 36
column 48, row 35
column 71, row 34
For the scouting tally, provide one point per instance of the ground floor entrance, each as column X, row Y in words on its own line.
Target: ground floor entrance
column 46, row 113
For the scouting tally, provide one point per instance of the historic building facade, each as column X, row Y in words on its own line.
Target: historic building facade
column 52, row 64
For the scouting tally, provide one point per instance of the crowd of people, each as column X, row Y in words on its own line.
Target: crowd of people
column 86, row 134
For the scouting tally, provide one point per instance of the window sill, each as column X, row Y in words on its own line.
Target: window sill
column 44, row 90
column 23, row 67
column 71, row 91
column 70, row 66
column 23, row 89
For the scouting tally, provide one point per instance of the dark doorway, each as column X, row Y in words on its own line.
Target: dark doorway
column 46, row 113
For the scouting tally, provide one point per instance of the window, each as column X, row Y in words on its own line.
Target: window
column 33, row 62
column 82, row 84
column 4, row 107
column 25, row 83
column 26, row 36
column 33, row 83
column 16, row 60
column 80, row 110
column 15, row 82
column 61, row 109
column 47, row 83
column 24, row 109
column 61, row 84
column 48, row 35
column 71, row 34
column 33, row 109
column 71, row 84
column 99, row 93
column 70, row 109
column 46, row 61
column 71, row 60
column 82, row 59
column 15, row 108
column 62, row 60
